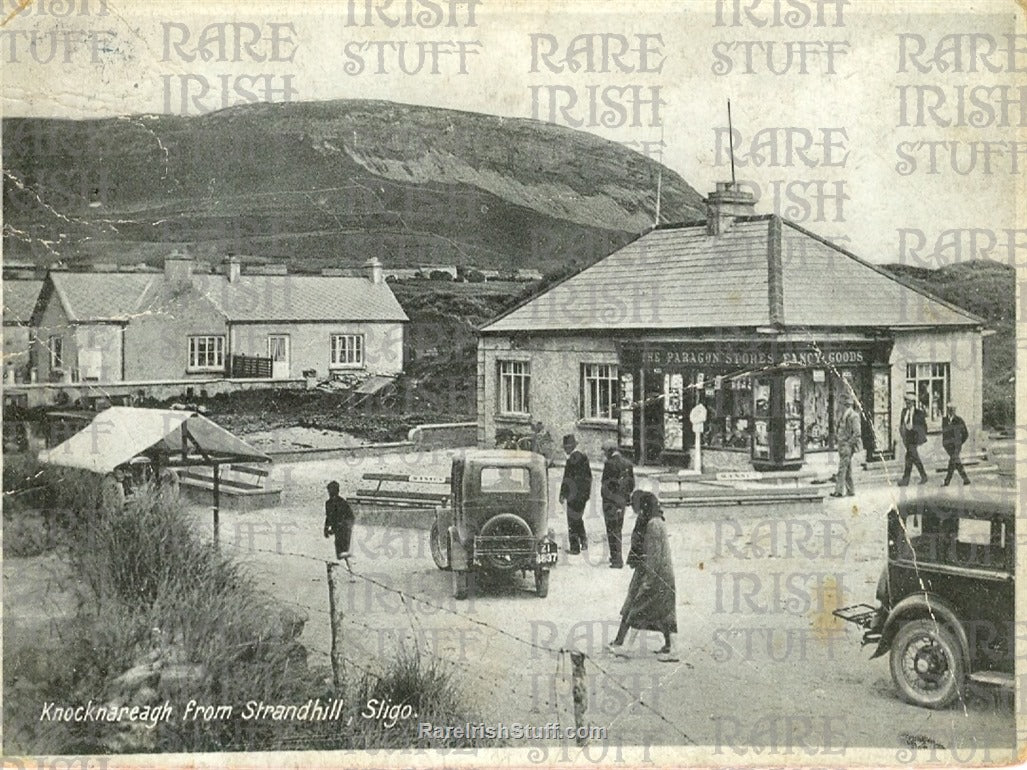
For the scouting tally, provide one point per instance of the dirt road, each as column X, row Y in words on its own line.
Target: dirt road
column 761, row 668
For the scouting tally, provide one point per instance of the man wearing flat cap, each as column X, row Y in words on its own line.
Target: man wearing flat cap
column 617, row 485
column 913, row 430
column 575, row 489
column 850, row 440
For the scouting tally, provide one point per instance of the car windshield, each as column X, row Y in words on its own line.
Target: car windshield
column 504, row 479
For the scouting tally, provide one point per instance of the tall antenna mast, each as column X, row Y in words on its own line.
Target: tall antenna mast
column 731, row 143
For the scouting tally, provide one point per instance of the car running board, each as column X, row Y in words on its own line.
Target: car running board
column 997, row 678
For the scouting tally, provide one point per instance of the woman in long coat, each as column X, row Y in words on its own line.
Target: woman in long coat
column 651, row 601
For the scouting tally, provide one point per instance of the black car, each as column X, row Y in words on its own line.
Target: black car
column 946, row 596
column 499, row 521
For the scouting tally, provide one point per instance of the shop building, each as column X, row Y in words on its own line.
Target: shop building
column 759, row 320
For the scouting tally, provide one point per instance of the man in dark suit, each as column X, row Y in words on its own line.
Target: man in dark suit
column 913, row 430
column 953, row 435
column 575, row 490
column 617, row 485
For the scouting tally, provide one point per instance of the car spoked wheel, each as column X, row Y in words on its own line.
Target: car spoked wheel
column 927, row 664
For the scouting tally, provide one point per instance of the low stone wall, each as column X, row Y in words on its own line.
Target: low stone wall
column 443, row 435
column 57, row 394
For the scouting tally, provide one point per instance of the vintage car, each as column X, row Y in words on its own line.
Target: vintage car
column 946, row 596
column 498, row 520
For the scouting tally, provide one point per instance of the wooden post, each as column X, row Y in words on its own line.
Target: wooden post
column 579, row 693
column 217, row 503
column 335, row 616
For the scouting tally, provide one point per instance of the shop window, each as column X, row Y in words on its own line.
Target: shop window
column 626, row 415
column 207, row 353
column 728, row 403
column 514, row 387
column 673, row 429
column 599, row 384
column 930, row 382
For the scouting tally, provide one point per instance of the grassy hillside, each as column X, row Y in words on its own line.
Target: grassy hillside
column 327, row 184
column 987, row 289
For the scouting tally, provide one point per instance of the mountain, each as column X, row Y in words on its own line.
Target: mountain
column 327, row 184
column 987, row 289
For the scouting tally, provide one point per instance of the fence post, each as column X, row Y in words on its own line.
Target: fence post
column 335, row 614
column 579, row 693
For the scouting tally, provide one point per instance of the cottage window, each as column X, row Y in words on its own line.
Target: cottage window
column 207, row 352
column 930, row 382
column 55, row 345
column 599, row 391
column 514, row 386
column 347, row 350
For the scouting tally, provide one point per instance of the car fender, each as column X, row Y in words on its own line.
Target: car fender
column 923, row 606
column 459, row 560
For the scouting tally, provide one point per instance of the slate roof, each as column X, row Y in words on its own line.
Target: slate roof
column 117, row 297
column 19, row 298
column 763, row 271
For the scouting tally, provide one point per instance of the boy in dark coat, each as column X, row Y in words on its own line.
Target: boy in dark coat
column 575, row 490
column 338, row 520
column 953, row 435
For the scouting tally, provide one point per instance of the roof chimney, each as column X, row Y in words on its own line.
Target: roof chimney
column 233, row 268
column 375, row 271
column 178, row 267
column 724, row 204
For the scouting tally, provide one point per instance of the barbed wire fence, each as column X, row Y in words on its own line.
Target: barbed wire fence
column 572, row 666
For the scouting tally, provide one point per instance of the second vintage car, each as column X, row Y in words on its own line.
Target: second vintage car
column 498, row 522
column 946, row 596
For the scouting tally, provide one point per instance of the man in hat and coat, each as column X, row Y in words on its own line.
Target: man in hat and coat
column 913, row 430
column 575, row 489
column 617, row 484
column 850, row 441
column 953, row 435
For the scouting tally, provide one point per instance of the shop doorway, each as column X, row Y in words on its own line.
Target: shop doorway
column 651, row 419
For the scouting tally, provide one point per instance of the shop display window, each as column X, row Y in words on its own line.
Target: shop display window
column 626, row 415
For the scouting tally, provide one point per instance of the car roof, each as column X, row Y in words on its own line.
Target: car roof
column 980, row 502
column 511, row 457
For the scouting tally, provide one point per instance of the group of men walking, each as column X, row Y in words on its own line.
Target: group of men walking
column 912, row 432
column 616, row 486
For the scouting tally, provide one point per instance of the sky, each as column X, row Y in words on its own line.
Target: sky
column 853, row 107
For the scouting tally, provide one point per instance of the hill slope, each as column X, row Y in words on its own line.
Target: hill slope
column 326, row 184
column 987, row 289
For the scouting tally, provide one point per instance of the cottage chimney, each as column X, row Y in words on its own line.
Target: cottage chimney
column 726, row 203
column 233, row 268
column 375, row 271
column 178, row 267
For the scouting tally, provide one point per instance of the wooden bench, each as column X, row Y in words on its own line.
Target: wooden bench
column 724, row 489
column 242, row 487
column 404, row 490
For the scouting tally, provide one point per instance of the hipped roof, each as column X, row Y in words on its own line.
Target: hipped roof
column 119, row 433
column 764, row 271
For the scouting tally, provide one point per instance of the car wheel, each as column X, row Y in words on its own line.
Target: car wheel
column 542, row 583
column 438, row 553
column 927, row 664
column 461, row 585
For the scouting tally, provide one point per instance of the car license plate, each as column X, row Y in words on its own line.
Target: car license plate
column 546, row 554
